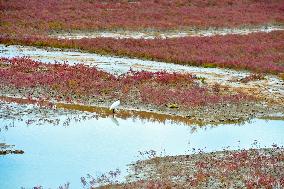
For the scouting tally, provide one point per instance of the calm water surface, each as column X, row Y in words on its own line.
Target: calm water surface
column 56, row 154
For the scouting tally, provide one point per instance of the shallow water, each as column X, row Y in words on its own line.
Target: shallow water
column 163, row 34
column 111, row 64
column 56, row 154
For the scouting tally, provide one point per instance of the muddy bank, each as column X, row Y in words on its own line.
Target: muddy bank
column 255, row 168
column 8, row 149
column 125, row 34
column 215, row 114
column 30, row 112
column 6, row 152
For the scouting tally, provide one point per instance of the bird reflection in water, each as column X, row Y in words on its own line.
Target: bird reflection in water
column 114, row 120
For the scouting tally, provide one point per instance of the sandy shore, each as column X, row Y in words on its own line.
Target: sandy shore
column 125, row 34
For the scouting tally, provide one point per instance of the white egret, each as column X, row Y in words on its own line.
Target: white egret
column 114, row 105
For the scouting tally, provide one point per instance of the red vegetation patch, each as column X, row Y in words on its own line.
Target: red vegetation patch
column 85, row 84
column 259, row 52
column 255, row 168
column 18, row 16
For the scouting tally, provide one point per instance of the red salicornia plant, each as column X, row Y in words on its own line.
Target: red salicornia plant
column 85, row 84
